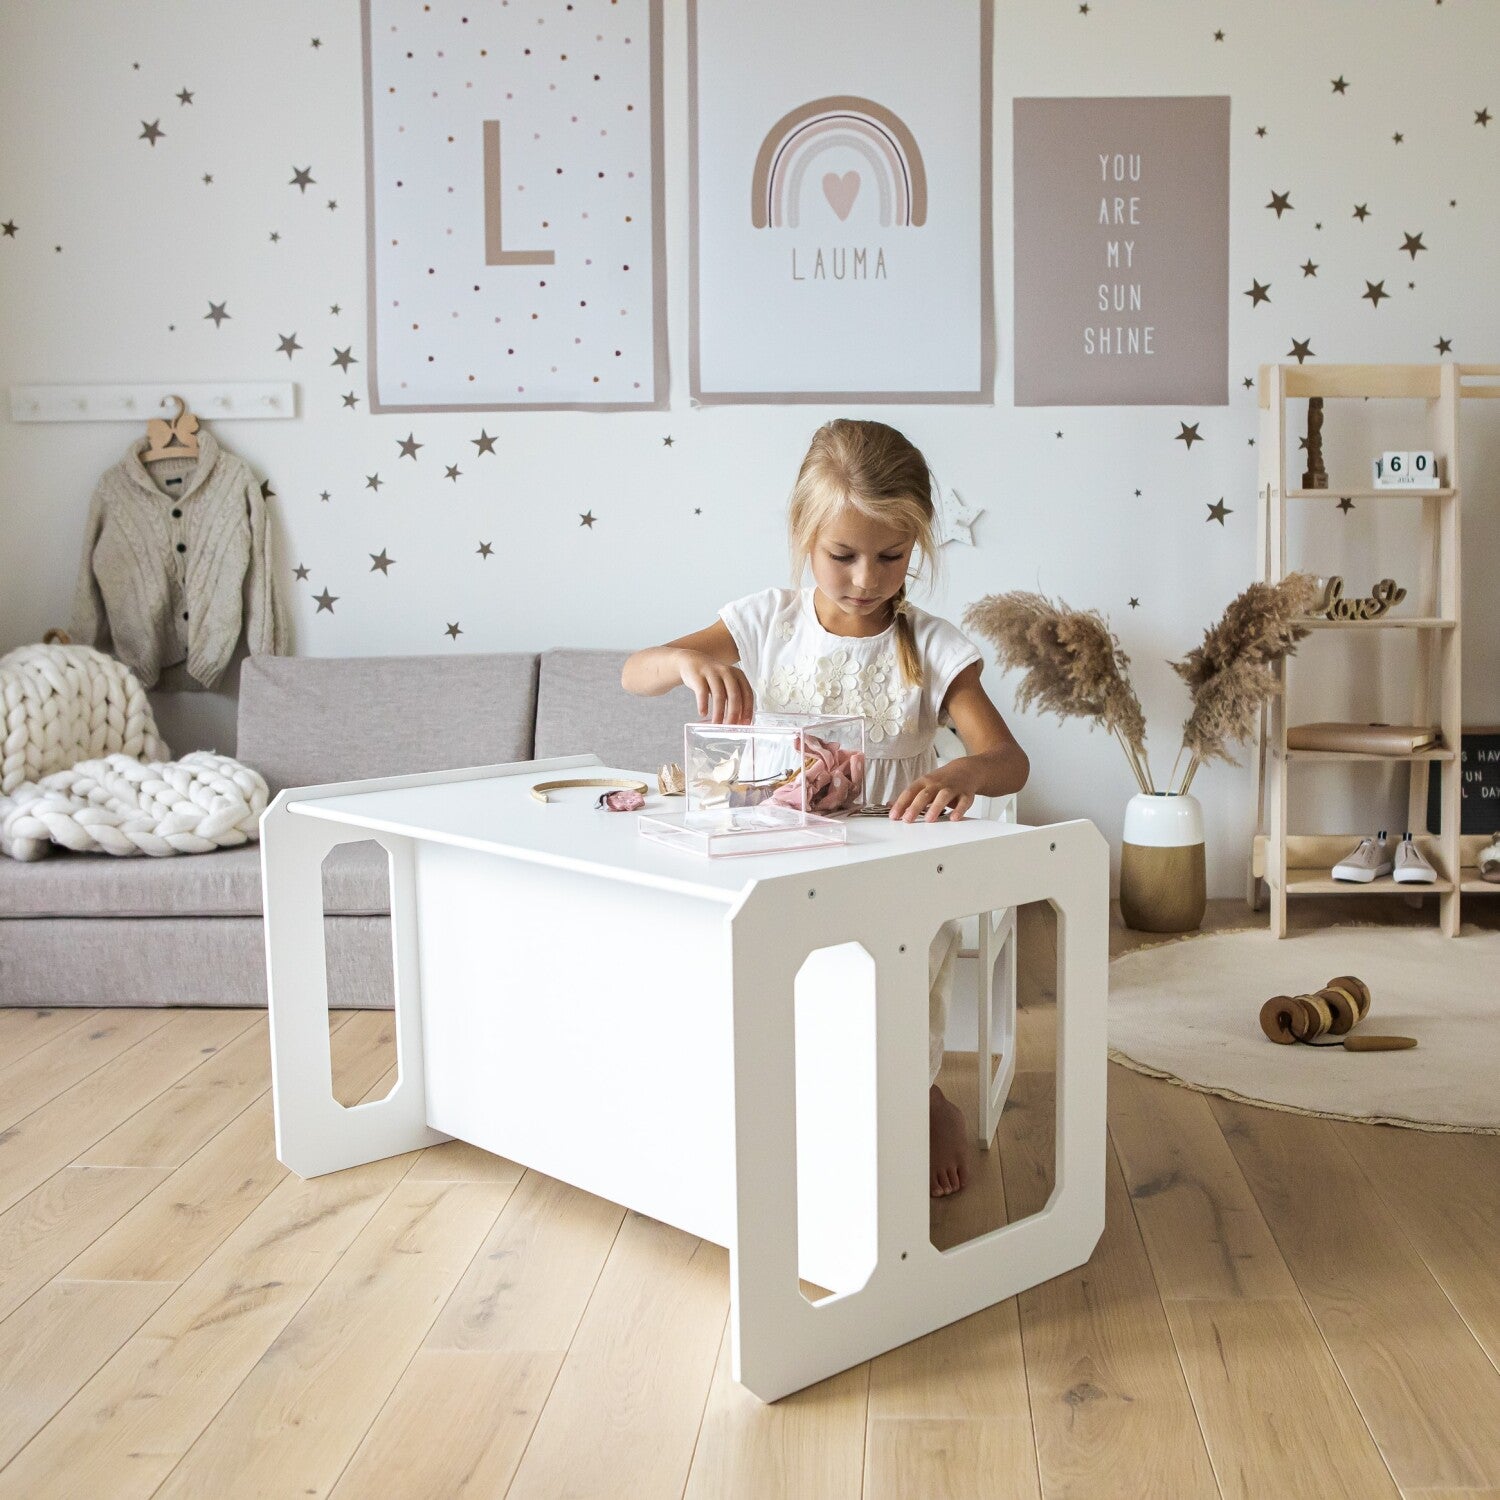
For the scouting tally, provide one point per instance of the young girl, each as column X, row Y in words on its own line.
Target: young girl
column 852, row 643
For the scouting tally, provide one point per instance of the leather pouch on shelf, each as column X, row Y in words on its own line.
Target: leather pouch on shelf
column 1364, row 739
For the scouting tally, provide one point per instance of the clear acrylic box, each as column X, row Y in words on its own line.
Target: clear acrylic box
column 783, row 781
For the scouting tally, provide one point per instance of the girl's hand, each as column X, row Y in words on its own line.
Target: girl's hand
column 723, row 692
column 928, row 795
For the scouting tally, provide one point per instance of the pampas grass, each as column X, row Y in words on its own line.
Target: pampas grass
column 1073, row 666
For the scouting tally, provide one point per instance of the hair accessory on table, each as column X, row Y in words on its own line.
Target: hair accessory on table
column 670, row 781
column 624, row 789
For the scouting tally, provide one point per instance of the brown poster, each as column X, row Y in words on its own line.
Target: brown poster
column 1122, row 251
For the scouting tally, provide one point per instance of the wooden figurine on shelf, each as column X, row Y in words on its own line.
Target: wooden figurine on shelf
column 1332, row 605
column 1316, row 476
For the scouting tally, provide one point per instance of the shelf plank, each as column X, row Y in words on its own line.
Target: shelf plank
column 1471, row 884
column 1402, row 491
column 1345, row 755
column 1385, row 622
column 1321, row 883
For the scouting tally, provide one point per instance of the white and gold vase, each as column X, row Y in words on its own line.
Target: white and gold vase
column 1163, row 880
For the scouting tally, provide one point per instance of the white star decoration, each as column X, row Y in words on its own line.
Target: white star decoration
column 955, row 518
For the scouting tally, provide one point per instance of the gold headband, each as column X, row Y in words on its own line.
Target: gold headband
column 540, row 790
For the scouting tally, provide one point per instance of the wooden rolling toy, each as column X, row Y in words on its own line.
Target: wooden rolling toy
column 1332, row 1011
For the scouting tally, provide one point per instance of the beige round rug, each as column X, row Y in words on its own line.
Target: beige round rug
column 1189, row 1011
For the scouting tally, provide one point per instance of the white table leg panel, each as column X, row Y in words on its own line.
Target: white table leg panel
column 781, row 1341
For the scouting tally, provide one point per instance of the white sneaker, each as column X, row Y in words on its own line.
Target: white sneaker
column 1412, row 867
column 1368, row 862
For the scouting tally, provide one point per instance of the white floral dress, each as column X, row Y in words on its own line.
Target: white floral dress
column 795, row 665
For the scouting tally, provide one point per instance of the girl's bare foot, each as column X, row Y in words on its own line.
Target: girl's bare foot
column 948, row 1138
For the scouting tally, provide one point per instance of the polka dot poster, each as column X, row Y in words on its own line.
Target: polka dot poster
column 513, row 150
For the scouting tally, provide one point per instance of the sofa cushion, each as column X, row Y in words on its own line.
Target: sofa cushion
column 224, row 883
column 306, row 720
column 581, row 707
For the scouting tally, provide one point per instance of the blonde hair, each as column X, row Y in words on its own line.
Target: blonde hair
column 875, row 470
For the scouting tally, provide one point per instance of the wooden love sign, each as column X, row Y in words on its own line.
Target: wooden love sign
column 1332, row 605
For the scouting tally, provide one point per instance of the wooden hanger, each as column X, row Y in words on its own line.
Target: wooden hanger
column 175, row 439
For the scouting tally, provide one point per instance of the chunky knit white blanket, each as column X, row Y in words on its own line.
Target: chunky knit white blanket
column 63, row 704
column 81, row 765
column 118, row 805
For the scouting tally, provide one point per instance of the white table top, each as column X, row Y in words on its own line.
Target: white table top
column 498, row 814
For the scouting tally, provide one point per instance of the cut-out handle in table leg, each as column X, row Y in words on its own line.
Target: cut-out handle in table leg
column 997, row 946
column 314, row 1132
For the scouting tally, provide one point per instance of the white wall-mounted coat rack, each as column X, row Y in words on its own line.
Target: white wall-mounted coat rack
column 239, row 401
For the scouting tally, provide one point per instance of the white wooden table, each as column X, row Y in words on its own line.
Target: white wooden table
column 737, row 1047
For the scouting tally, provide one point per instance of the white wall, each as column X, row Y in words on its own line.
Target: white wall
column 146, row 245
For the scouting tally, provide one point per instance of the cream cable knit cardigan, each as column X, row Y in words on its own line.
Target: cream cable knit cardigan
column 173, row 572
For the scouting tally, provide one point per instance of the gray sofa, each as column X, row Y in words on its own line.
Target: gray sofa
column 86, row 929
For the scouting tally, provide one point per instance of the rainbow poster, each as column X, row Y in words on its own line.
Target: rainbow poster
column 840, row 201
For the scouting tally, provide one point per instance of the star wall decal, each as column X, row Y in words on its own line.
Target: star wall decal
column 1301, row 349
column 185, row 96
column 1188, row 435
column 217, row 311
column 1482, row 117
column 1281, row 202
column 666, row 442
column 1248, row 382
column 1218, row 36
column 484, row 442
column 288, row 345
column 343, row 358
column 409, row 445
column 1398, row 138
column 326, row 601
column 1134, row 602
column 324, row 496
column 335, row 309
column 373, row 482
column 1340, row 84
column 317, row 41
column 1309, row 267
column 333, row 203
column 152, row 132
column 1218, row 511
column 587, row 518
column 1258, row 293
column 266, row 492
column 956, row 518
column 452, row 472
column 1443, row 345
column 1413, row 243
column 350, row 399
column 208, row 179
column 1361, row 212
column 1260, row 130
column 381, row 563
column 485, row 550
column 275, row 237
column 1345, row 504
column 302, row 178
column 453, row 632
column 1373, row 292
column 300, row 572
column 1057, row 434
column 9, row 229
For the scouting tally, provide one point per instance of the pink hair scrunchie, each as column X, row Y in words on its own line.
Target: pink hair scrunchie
column 834, row 779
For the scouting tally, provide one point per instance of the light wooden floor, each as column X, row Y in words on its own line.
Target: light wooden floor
column 1280, row 1306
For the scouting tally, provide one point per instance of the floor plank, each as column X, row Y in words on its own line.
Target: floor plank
column 170, row 1233
column 1443, row 1191
column 1233, row 1306
column 1109, row 1403
column 1428, row 1394
column 39, row 1077
column 493, row 1352
column 52, row 1136
column 637, row 1375
column 306, row 1404
column 23, row 1031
